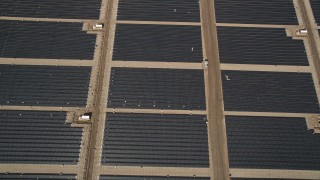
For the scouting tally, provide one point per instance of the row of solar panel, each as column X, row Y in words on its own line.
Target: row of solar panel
column 20, row 39
column 227, row 11
column 183, row 44
column 165, row 10
column 102, row 177
column 158, row 89
column 181, row 140
column 184, row 89
column 160, row 140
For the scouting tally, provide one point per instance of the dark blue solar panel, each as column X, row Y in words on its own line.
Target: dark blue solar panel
column 155, row 140
column 315, row 4
column 52, row 40
column 260, row 46
column 269, row 92
column 155, row 10
column 272, row 143
column 44, row 85
column 31, row 137
column 158, row 43
column 157, row 89
column 255, row 11
column 66, row 9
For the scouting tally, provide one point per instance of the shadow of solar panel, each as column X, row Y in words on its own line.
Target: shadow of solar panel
column 22, row 39
column 315, row 4
column 150, row 178
column 158, row 43
column 272, row 143
column 66, row 9
column 155, row 10
column 157, row 89
column 255, row 11
column 269, row 92
column 29, row 137
column 155, row 140
column 44, row 85
column 260, row 46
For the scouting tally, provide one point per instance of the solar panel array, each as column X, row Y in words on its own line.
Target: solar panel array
column 164, row 10
column 243, row 45
column 68, row 9
column 156, row 89
column 255, row 12
column 272, row 143
column 163, row 43
column 52, row 40
column 30, row 137
column 269, row 92
column 44, row 85
column 266, row 142
column 155, row 140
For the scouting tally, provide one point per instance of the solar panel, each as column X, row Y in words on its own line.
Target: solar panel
column 157, row 89
column 269, row 92
column 68, row 9
column 155, row 10
column 255, row 12
column 155, row 140
column 44, row 85
column 315, row 4
column 158, row 43
column 272, row 143
column 38, row 138
column 240, row 45
column 52, row 40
